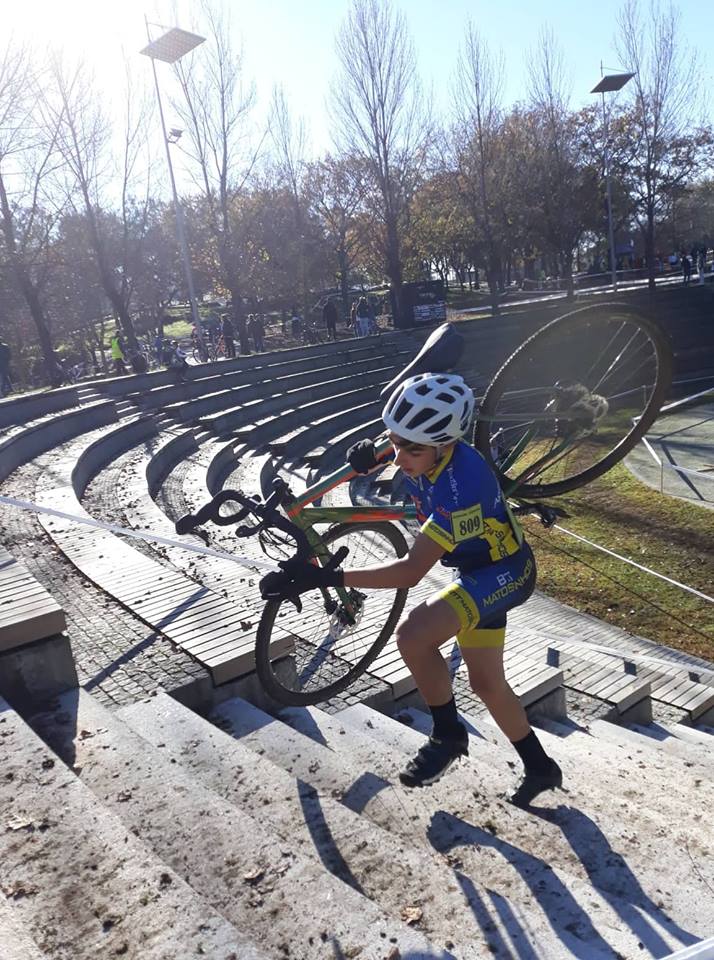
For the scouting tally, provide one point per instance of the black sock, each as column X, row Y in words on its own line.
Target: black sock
column 534, row 757
column 446, row 720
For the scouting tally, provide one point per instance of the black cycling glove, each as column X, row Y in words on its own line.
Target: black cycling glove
column 361, row 456
column 296, row 577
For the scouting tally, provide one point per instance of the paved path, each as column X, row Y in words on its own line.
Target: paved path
column 683, row 438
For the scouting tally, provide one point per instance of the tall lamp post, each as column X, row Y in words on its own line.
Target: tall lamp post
column 609, row 84
column 170, row 47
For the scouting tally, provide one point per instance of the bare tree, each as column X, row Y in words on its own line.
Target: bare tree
column 85, row 141
column 476, row 137
column 667, row 146
column 337, row 189
column 378, row 114
column 28, row 158
column 563, row 187
column 215, row 107
column 289, row 143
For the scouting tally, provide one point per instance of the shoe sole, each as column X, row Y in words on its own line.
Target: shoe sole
column 428, row 782
column 526, row 805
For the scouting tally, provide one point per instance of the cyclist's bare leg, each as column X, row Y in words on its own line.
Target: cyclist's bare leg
column 488, row 682
column 419, row 636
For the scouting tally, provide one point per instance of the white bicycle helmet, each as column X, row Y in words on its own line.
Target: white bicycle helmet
column 431, row 409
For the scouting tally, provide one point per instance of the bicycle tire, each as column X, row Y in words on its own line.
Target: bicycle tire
column 273, row 673
column 532, row 361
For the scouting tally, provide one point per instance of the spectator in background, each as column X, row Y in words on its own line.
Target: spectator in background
column 295, row 323
column 159, row 346
column 176, row 359
column 118, row 355
column 255, row 329
column 372, row 318
column 686, row 269
column 352, row 322
column 228, row 334
column 329, row 317
column 5, row 381
column 362, row 320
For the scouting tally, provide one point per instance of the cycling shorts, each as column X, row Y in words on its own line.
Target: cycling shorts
column 482, row 597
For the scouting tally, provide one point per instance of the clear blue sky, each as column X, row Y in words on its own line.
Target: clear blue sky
column 291, row 42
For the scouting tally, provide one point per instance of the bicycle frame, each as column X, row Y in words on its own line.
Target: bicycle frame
column 305, row 516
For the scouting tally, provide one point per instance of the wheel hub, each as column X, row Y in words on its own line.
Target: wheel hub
column 343, row 621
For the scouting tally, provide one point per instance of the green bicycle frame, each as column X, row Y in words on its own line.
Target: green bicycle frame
column 306, row 517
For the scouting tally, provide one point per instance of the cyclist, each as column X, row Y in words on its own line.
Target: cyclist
column 466, row 524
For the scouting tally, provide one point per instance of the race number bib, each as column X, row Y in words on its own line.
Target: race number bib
column 467, row 523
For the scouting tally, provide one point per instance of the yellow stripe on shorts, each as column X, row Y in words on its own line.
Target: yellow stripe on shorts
column 482, row 639
column 462, row 605
column 470, row 636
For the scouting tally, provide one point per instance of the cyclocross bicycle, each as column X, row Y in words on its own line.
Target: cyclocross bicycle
column 563, row 409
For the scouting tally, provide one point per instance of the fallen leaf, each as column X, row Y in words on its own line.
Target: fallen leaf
column 19, row 823
column 18, row 889
column 254, row 876
column 412, row 914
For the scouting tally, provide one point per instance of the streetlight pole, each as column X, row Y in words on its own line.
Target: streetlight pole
column 170, row 47
column 608, row 84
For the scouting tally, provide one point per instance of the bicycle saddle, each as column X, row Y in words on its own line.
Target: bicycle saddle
column 440, row 353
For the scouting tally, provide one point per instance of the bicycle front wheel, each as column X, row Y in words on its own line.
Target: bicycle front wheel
column 573, row 400
column 326, row 647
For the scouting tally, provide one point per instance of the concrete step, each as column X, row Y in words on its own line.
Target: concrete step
column 590, row 920
column 622, row 857
column 701, row 736
column 77, row 882
column 275, row 895
column 391, row 872
column 685, row 759
column 16, row 942
column 611, row 765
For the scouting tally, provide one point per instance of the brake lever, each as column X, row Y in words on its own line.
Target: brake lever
column 332, row 564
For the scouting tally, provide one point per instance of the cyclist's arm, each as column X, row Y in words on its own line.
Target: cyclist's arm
column 405, row 572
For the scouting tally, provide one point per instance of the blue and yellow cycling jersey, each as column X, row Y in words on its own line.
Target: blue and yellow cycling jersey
column 461, row 507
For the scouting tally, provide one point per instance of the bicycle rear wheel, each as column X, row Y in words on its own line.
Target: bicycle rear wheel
column 324, row 650
column 573, row 399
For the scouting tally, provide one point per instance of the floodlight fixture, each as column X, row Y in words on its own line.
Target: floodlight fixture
column 169, row 48
column 172, row 45
column 612, row 82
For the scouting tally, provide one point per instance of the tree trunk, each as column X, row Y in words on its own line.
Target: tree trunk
column 567, row 274
column 494, row 280
column 119, row 306
column 239, row 321
column 394, row 271
column 28, row 288
column 343, row 263
column 650, row 248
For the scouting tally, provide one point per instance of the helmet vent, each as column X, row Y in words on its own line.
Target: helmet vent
column 421, row 417
column 402, row 410
column 441, row 425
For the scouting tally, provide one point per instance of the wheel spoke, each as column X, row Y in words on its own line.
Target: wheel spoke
column 569, row 367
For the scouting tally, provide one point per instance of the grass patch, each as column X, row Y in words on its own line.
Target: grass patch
column 667, row 535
